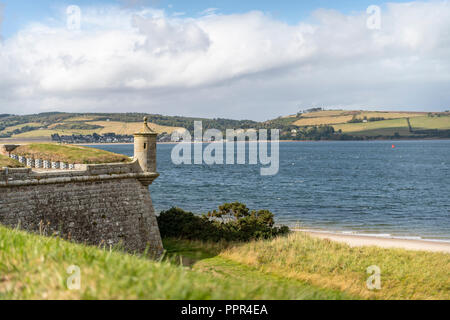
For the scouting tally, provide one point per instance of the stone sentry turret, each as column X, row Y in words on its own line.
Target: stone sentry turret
column 145, row 150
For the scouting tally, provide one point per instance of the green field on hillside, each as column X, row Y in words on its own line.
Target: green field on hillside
column 362, row 124
column 19, row 126
column 390, row 127
column 379, row 123
column 68, row 128
column 46, row 133
column 43, row 125
column 442, row 123
column 385, row 127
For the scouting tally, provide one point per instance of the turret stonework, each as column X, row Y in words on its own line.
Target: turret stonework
column 145, row 148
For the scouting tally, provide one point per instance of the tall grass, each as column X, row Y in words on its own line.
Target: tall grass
column 404, row 274
column 293, row 267
column 35, row 267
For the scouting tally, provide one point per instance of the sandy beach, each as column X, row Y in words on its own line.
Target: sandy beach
column 362, row 240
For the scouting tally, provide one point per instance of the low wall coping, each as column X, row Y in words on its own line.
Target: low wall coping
column 139, row 176
column 89, row 172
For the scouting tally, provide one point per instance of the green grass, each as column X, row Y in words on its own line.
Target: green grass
column 20, row 126
column 390, row 127
column 384, row 128
column 424, row 123
column 35, row 267
column 46, row 133
column 96, row 123
column 404, row 274
column 206, row 257
column 293, row 267
column 10, row 163
column 85, row 126
column 69, row 153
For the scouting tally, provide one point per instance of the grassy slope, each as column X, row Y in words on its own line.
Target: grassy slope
column 309, row 121
column 404, row 274
column 122, row 128
column 327, row 113
column 430, row 122
column 385, row 127
column 10, row 163
column 68, row 153
column 389, row 127
column 294, row 267
column 48, row 133
column 34, row 267
column 389, row 115
column 338, row 118
column 20, row 126
column 395, row 122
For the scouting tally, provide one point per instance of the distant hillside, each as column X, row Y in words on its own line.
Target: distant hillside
column 359, row 124
column 313, row 124
column 46, row 124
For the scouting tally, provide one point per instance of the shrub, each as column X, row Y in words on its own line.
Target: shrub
column 77, row 126
column 232, row 222
column 355, row 120
column 376, row 119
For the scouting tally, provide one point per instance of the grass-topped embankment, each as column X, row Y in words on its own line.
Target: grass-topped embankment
column 10, row 163
column 69, row 153
column 322, row 263
column 404, row 274
column 293, row 267
column 35, row 267
column 330, row 265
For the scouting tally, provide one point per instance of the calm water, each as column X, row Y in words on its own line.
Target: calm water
column 359, row 187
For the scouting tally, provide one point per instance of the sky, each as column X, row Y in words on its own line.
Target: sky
column 230, row 59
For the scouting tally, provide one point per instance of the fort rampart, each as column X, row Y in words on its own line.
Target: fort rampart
column 102, row 204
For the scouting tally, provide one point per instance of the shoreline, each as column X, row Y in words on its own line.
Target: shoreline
column 361, row 240
column 268, row 141
column 46, row 140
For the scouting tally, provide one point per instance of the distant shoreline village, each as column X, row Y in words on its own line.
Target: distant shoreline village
column 314, row 124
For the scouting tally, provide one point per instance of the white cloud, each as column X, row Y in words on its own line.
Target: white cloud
column 241, row 65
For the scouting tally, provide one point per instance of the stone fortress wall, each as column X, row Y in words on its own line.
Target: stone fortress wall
column 104, row 204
